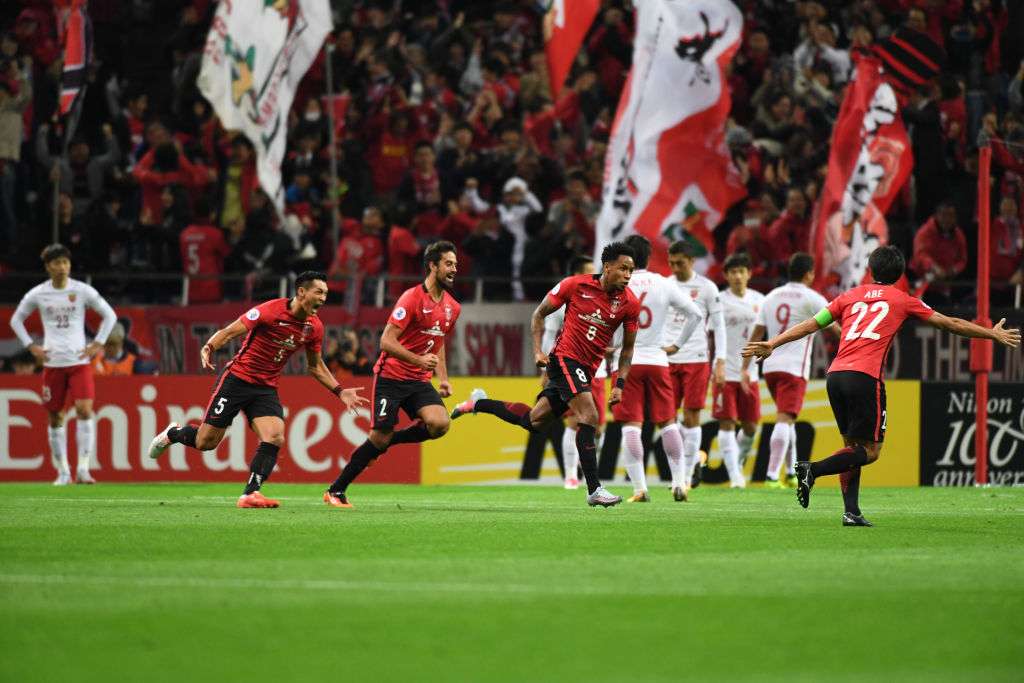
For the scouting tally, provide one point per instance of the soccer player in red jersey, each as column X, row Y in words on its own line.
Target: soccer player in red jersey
column 870, row 316
column 276, row 329
column 595, row 306
column 411, row 352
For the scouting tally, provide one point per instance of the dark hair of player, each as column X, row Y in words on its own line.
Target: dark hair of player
column 306, row 277
column 886, row 264
column 800, row 264
column 641, row 250
column 435, row 251
column 612, row 252
column 738, row 260
column 577, row 263
column 55, row 251
column 683, row 247
column 203, row 207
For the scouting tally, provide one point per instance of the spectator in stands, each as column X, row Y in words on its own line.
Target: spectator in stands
column 571, row 220
column 403, row 260
column 361, row 254
column 238, row 182
column 1007, row 244
column 23, row 363
column 15, row 96
column 791, row 231
column 940, row 248
column 82, row 173
column 421, row 186
column 489, row 245
column 345, row 357
column 203, row 250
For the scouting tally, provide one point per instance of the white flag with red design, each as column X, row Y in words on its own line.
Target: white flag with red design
column 668, row 172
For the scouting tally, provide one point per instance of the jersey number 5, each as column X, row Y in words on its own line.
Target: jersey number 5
column 860, row 309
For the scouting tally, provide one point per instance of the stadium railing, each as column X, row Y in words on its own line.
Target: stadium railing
column 174, row 288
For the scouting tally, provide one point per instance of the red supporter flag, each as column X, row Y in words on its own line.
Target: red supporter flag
column 668, row 172
column 870, row 158
column 77, row 41
column 565, row 25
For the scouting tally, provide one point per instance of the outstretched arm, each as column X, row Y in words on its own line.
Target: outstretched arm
column 755, row 336
column 219, row 339
column 965, row 328
column 764, row 349
column 318, row 370
column 546, row 308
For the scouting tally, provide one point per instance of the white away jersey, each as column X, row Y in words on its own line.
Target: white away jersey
column 660, row 301
column 704, row 293
column 740, row 318
column 784, row 307
column 63, row 315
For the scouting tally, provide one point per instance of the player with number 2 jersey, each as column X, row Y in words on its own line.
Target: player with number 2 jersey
column 870, row 316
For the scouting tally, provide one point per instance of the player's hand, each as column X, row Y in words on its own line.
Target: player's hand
column 616, row 397
column 670, row 349
column 90, row 350
column 429, row 361
column 745, row 381
column 761, row 349
column 205, row 357
column 719, row 374
column 39, row 353
column 351, row 398
column 1004, row 336
column 541, row 360
column 445, row 389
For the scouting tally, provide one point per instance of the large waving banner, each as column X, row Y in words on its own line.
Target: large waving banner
column 256, row 54
column 565, row 25
column 668, row 169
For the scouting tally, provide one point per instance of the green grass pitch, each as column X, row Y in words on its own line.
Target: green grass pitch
column 172, row 583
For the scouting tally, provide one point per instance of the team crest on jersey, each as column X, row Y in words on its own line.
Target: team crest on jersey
column 72, row 296
column 615, row 305
column 693, row 293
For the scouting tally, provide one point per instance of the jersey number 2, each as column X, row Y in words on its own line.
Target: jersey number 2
column 860, row 309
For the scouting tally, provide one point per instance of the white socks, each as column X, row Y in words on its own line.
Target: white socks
column 85, row 435
column 779, row 448
column 731, row 456
column 672, row 442
column 570, row 456
column 745, row 441
column 791, row 453
column 58, row 438
column 691, row 444
column 634, row 460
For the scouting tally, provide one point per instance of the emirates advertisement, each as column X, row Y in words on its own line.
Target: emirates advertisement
column 130, row 411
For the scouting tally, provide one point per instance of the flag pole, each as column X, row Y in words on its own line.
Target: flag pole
column 981, row 349
column 335, row 228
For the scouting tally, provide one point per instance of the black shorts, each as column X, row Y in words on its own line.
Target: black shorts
column 233, row 394
column 858, row 402
column 567, row 379
column 391, row 394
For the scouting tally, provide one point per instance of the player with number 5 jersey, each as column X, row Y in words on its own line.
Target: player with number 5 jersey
column 786, row 371
column 870, row 315
column 411, row 352
column 273, row 331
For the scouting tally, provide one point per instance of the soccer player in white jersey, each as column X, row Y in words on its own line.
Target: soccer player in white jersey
column 787, row 370
column 580, row 265
column 649, row 385
column 689, row 365
column 738, row 401
column 61, row 302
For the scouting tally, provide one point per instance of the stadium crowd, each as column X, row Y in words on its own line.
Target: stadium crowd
column 446, row 128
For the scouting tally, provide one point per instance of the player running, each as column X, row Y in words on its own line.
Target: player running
column 786, row 372
column 595, row 306
column 649, row 387
column 411, row 351
column 65, row 356
column 870, row 315
column 738, row 400
column 276, row 329
column 689, row 365
column 580, row 265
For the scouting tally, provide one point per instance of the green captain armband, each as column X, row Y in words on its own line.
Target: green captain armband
column 823, row 318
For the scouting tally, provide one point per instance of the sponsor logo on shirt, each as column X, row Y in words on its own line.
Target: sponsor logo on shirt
column 435, row 331
column 72, row 296
column 594, row 318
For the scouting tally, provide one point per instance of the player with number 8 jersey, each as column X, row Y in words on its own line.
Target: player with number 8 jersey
column 273, row 331
column 870, row 314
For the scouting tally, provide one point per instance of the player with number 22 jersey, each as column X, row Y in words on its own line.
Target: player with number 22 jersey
column 870, row 316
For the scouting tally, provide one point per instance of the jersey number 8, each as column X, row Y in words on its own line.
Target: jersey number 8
column 591, row 333
column 582, row 375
